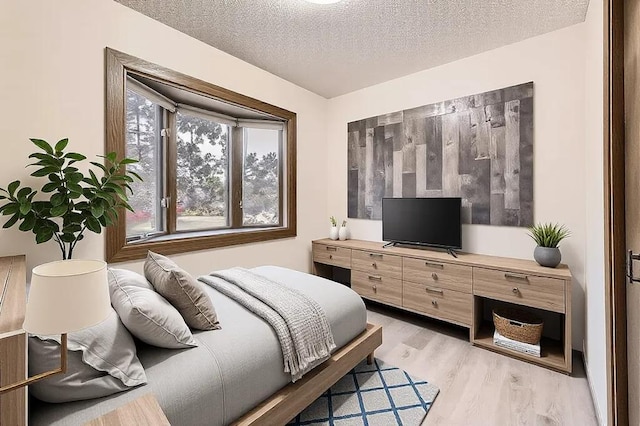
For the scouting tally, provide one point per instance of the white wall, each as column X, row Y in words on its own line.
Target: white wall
column 595, row 336
column 52, row 85
column 555, row 63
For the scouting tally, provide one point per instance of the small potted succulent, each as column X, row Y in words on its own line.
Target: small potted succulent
column 333, row 231
column 342, row 233
column 547, row 237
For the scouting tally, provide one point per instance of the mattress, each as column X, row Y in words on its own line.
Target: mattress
column 230, row 372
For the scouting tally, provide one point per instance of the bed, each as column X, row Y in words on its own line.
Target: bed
column 236, row 375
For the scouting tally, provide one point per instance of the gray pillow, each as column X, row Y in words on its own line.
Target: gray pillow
column 182, row 291
column 101, row 361
column 145, row 313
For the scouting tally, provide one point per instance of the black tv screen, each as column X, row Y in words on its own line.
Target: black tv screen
column 426, row 221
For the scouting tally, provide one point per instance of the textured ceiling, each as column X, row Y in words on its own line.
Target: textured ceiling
column 335, row 49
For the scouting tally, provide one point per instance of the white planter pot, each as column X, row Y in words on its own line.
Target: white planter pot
column 342, row 233
column 333, row 233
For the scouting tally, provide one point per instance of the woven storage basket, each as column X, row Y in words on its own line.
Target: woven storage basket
column 518, row 324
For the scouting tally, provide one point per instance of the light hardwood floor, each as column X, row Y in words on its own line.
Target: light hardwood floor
column 477, row 386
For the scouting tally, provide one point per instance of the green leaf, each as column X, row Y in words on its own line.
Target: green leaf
column 44, row 157
column 94, row 179
column 53, row 177
column 12, row 221
column 62, row 144
column 128, row 161
column 43, row 235
column 137, row 176
column 13, row 186
column 97, row 210
column 104, row 169
column 93, row 225
column 28, row 222
column 50, row 187
column 75, row 177
column 68, row 170
column 74, row 187
column 58, row 199
column 74, row 195
column 11, row 208
column 25, row 208
column 111, row 157
column 23, row 193
column 44, row 171
column 43, row 145
column 75, row 156
column 60, row 210
column 68, row 238
column 72, row 228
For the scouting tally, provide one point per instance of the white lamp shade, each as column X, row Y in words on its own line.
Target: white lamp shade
column 67, row 296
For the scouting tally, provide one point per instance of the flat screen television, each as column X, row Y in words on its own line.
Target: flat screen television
column 433, row 222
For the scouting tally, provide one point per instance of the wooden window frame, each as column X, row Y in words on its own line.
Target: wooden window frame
column 117, row 249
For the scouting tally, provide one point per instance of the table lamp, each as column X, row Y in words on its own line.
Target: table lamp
column 65, row 296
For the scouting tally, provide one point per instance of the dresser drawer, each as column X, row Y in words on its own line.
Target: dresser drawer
column 437, row 274
column 377, row 263
column 377, row 287
column 438, row 302
column 332, row 255
column 530, row 290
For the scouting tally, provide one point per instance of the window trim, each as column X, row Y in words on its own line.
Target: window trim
column 117, row 249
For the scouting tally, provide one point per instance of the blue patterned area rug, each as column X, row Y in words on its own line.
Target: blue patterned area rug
column 372, row 395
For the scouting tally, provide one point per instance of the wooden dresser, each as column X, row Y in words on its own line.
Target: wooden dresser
column 13, row 339
column 456, row 290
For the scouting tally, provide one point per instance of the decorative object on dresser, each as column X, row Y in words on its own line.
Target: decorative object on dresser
column 477, row 147
column 343, row 232
column 65, row 296
column 456, row 290
column 333, row 231
column 143, row 411
column 80, row 202
column 547, row 237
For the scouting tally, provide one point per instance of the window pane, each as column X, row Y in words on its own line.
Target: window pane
column 144, row 121
column 201, row 173
column 260, row 186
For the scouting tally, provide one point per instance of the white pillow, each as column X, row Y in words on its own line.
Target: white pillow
column 145, row 313
column 101, row 361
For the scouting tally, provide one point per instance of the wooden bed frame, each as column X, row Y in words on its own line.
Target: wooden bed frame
column 280, row 408
column 289, row 401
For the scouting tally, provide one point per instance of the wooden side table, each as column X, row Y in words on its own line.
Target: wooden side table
column 143, row 411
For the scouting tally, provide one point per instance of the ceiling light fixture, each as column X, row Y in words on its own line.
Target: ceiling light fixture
column 323, row 1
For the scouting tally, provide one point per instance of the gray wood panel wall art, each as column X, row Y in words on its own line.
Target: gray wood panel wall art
column 478, row 147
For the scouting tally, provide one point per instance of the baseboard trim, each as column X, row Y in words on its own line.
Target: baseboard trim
column 596, row 409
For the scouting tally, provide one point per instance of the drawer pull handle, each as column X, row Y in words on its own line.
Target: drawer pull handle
column 515, row 290
column 375, row 278
column 434, row 303
column 330, row 256
column 433, row 290
column 378, row 255
column 516, row 277
column 332, row 248
column 434, row 265
column 375, row 289
column 434, row 276
column 375, row 265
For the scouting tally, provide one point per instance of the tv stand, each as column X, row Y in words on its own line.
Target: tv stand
column 452, row 252
column 390, row 244
column 460, row 289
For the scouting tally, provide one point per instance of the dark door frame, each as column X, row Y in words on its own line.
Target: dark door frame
column 614, row 189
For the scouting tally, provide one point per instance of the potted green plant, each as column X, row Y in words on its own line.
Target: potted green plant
column 547, row 237
column 78, row 201
column 333, row 231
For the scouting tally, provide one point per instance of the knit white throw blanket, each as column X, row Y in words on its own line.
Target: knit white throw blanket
column 300, row 323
